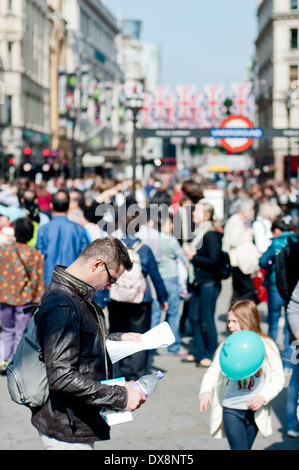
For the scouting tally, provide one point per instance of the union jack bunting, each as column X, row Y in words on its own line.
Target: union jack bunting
column 184, row 104
column 242, row 99
column 146, row 113
column 171, row 112
column 213, row 103
column 199, row 115
column 185, row 107
column 159, row 103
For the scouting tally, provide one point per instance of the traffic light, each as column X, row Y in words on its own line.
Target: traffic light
column 46, row 153
column 27, row 151
column 11, row 161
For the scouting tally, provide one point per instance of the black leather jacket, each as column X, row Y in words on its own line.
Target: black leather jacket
column 72, row 332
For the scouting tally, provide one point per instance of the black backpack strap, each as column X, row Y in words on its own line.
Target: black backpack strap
column 32, row 309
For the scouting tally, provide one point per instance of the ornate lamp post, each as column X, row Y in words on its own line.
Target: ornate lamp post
column 135, row 104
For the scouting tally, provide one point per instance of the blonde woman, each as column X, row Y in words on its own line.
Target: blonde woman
column 261, row 227
column 241, row 408
column 204, row 256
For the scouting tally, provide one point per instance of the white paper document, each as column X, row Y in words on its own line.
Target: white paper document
column 111, row 416
column 160, row 336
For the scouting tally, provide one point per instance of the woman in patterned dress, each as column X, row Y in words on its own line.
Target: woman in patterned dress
column 21, row 284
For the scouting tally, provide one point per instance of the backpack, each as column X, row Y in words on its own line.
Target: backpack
column 26, row 373
column 287, row 269
column 130, row 287
column 225, row 268
column 27, row 380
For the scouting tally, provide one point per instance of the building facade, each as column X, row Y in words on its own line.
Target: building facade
column 277, row 62
column 141, row 64
column 25, row 29
column 92, row 79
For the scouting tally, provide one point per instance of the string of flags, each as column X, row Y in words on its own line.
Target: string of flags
column 182, row 106
column 187, row 107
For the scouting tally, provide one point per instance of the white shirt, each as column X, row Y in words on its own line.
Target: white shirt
column 238, row 392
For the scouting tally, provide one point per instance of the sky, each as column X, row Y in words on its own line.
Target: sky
column 202, row 41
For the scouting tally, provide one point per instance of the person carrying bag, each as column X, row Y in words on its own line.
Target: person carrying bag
column 21, row 284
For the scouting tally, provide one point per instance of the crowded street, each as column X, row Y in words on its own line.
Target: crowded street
column 149, row 227
column 170, row 420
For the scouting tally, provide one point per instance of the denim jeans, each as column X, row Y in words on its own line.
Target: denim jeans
column 202, row 318
column 173, row 312
column 275, row 304
column 240, row 428
column 292, row 399
column 50, row 443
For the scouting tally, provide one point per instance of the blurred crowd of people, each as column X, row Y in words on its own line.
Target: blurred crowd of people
column 49, row 223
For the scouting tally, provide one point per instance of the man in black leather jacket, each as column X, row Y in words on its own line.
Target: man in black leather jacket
column 72, row 333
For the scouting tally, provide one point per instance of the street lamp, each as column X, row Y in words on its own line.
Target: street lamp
column 289, row 105
column 135, row 104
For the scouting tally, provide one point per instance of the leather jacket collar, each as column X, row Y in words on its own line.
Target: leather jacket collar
column 84, row 290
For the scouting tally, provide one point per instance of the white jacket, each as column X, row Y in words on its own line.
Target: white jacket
column 238, row 243
column 215, row 382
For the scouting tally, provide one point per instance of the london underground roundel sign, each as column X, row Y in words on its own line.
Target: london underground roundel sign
column 236, row 144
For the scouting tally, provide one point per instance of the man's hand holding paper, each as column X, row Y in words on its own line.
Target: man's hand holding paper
column 160, row 336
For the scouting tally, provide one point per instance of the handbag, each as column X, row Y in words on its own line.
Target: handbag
column 245, row 257
column 260, row 288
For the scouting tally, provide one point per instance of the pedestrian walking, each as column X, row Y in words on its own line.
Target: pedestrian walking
column 282, row 233
column 43, row 197
column 60, row 240
column 204, row 255
column 242, row 408
column 238, row 243
column 76, row 205
column 28, row 203
column 94, row 232
column 191, row 193
column 127, row 313
column 72, row 332
column 89, row 222
column 268, row 212
column 8, row 215
column 172, row 255
column 293, row 388
column 21, row 284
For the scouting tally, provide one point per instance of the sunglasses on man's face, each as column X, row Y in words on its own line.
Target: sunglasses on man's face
column 111, row 279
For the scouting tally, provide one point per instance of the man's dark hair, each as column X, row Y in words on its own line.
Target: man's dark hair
column 23, row 230
column 28, row 200
column 78, row 196
column 60, row 201
column 128, row 213
column 89, row 214
column 111, row 250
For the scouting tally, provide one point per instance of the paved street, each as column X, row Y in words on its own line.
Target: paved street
column 170, row 420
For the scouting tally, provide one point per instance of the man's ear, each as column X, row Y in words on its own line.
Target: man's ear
column 98, row 262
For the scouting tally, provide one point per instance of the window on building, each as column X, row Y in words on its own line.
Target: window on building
column 294, row 4
column 294, row 38
column 293, row 73
column 9, row 54
column 8, row 109
column 9, row 6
